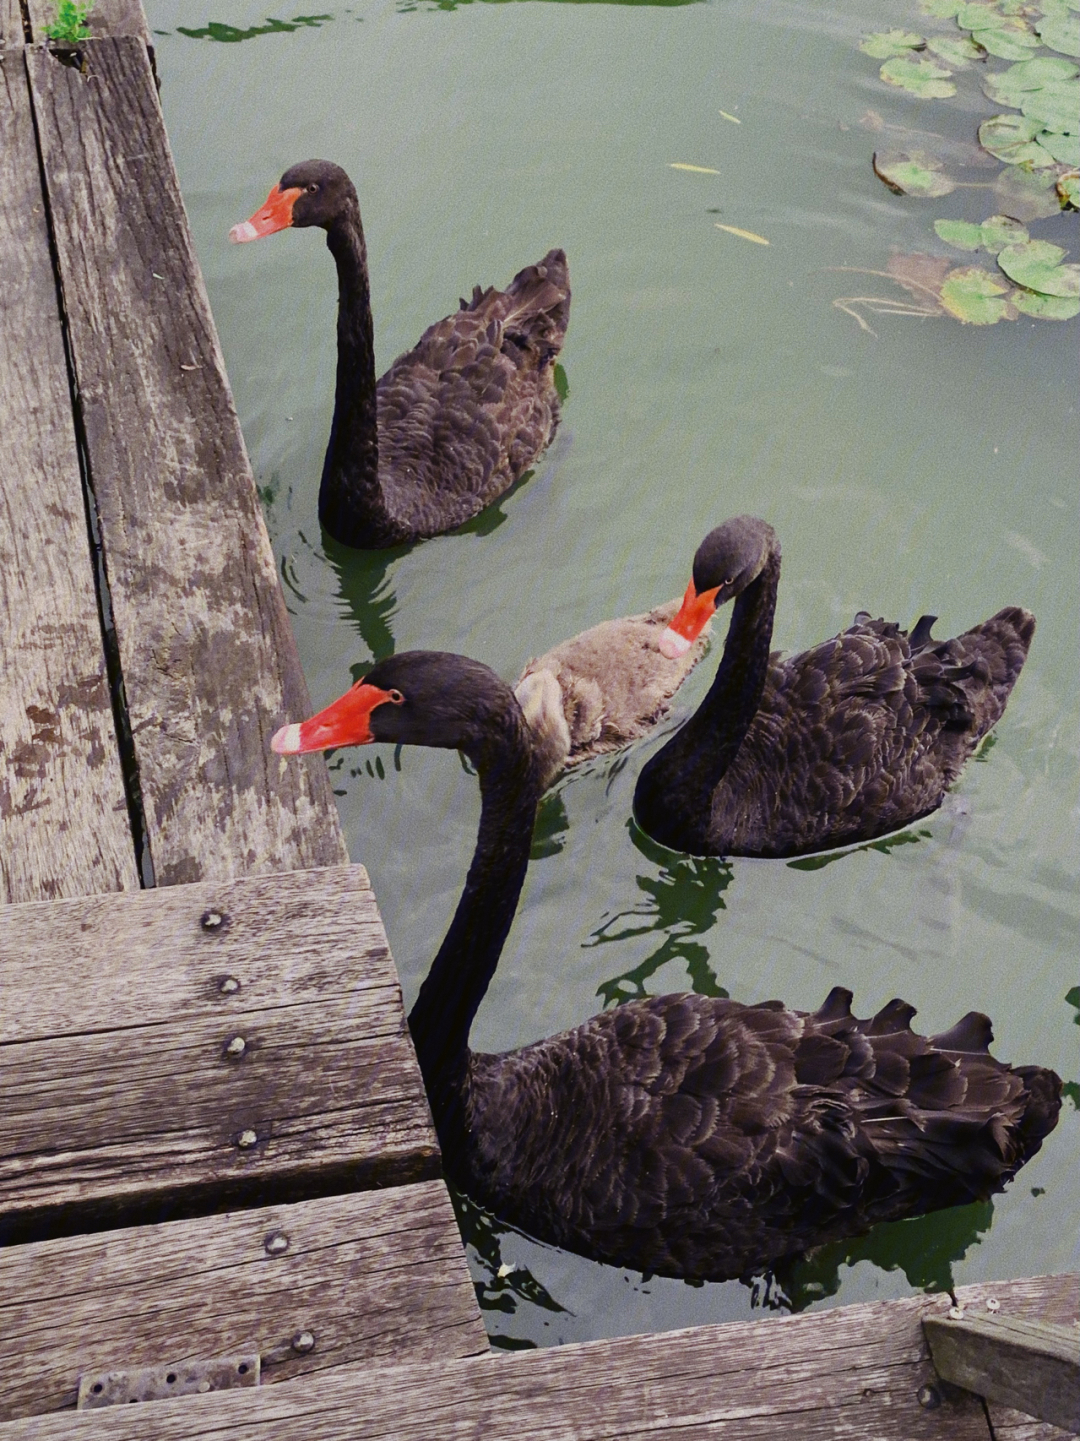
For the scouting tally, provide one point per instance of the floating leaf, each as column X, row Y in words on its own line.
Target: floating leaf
column 1009, row 87
column 956, row 50
column 892, row 42
column 960, row 233
column 1025, row 194
column 1056, row 106
column 912, row 172
column 1061, row 33
column 972, row 295
column 1068, row 188
column 993, row 234
column 1045, row 307
column 1007, row 44
column 1065, row 149
column 920, row 77
column 1012, row 139
column 980, row 17
column 743, row 234
column 1037, row 266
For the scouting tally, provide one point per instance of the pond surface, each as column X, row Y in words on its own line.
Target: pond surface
column 929, row 467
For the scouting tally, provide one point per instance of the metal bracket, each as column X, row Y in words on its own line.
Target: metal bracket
column 157, row 1383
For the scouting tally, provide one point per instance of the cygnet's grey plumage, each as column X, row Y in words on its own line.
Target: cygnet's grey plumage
column 602, row 689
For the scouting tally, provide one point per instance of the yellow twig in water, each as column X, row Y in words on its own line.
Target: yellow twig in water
column 733, row 118
column 885, row 275
column 697, row 169
column 743, row 234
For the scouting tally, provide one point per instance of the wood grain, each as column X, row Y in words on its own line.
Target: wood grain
column 208, row 658
column 11, row 26
column 153, row 1066
column 853, row 1372
column 1031, row 1365
column 63, row 816
column 380, row 1275
column 108, row 18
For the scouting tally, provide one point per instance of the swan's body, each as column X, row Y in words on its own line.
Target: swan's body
column 683, row 1134
column 852, row 739
column 603, row 689
column 455, row 421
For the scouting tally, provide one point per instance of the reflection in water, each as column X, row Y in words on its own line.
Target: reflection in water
column 230, row 33
column 924, row 1248
column 1072, row 1088
column 552, row 823
column 364, row 586
column 507, row 1283
column 683, row 901
column 884, row 845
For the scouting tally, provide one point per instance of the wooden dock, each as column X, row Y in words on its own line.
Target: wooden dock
column 217, row 1163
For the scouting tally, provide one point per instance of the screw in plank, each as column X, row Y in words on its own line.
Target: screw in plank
column 993, row 1304
column 956, row 1313
column 246, row 1139
column 276, row 1244
column 236, row 1047
column 213, row 920
column 928, row 1397
column 303, row 1342
column 229, row 986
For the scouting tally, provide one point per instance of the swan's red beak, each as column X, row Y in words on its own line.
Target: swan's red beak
column 345, row 723
column 276, row 214
column 694, row 616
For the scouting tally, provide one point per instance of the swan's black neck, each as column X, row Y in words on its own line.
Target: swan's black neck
column 674, row 791
column 350, row 501
column 462, row 971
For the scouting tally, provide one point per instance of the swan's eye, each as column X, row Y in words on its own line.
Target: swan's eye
column 396, row 697
column 312, row 188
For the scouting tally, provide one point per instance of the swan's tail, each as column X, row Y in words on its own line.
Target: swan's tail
column 943, row 1121
column 969, row 678
column 534, row 309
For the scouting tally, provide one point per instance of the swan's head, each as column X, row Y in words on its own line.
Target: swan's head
column 423, row 698
column 727, row 560
column 540, row 697
column 315, row 192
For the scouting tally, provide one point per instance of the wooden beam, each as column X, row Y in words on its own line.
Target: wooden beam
column 107, row 18
column 174, row 1052
column 1033, row 1366
column 207, row 654
column 63, row 815
column 12, row 36
column 376, row 1276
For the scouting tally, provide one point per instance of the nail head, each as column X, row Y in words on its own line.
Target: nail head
column 236, row 1047
column 303, row 1342
column 246, row 1139
column 276, row 1244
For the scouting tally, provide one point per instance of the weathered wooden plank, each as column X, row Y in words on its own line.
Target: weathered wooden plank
column 12, row 36
column 858, row 1371
column 1045, row 1298
column 63, row 816
column 208, row 658
column 176, row 1050
column 1033, row 1366
column 379, row 1275
column 108, row 18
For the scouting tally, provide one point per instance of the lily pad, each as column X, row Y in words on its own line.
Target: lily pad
column 1026, row 194
column 1045, row 307
column 1007, row 44
column 1009, row 87
column 1061, row 33
column 992, row 235
column 973, row 296
column 1065, row 149
column 919, row 77
column 1057, row 106
column 956, row 50
column 973, row 16
column 912, row 172
column 1037, row 266
column 1012, row 139
column 1068, row 188
column 893, row 42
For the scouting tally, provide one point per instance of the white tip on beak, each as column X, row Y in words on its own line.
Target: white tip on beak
column 244, row 231
column 286, row 741
column 673, row 645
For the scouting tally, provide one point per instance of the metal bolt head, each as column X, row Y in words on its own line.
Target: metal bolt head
column 303, row 1342
column 246, row 1139
column 956, row 1313
column 236, row 1047
column 993, row 1304
column 928, row 1397
column 276, row 1244
column 229, row 986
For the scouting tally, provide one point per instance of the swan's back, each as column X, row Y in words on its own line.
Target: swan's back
column 864, row 733
column 469, row 408
column 702, row 1138
column 616, row 686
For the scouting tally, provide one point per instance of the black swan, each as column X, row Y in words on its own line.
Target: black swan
column 682, row 1134
column 602, row 689
column 455, row 421
column 853, row 739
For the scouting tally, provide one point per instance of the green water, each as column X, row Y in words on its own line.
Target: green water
column 929, row 468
